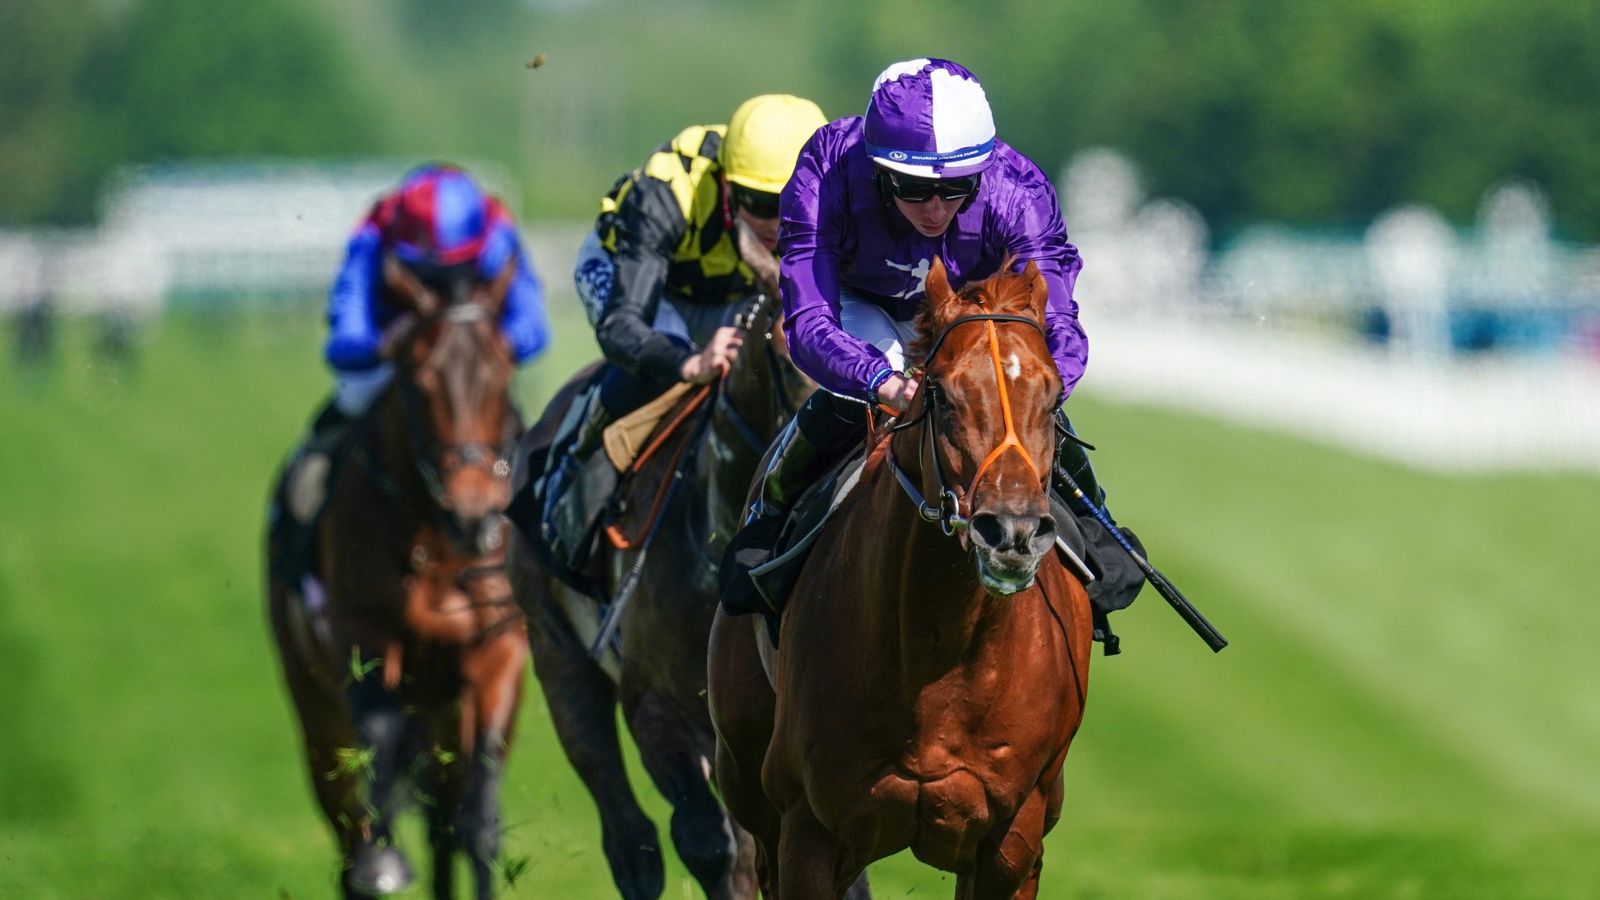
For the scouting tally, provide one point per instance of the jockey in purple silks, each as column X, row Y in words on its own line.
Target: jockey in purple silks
column 873, row 200
column 441, row 226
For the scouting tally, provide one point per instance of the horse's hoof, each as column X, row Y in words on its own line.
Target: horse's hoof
column 377, row 871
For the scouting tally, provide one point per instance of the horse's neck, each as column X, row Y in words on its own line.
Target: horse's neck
column 924, row 596
column 723, row 475
column 394, row 456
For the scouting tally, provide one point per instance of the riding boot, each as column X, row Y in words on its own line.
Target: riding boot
column 578, row 482
column 1118, row 578
column 1074, row 459
column 312, row 468
column 813, row 442
column 307, row 484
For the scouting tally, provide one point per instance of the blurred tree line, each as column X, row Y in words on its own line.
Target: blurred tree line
column 1316, row 113
column 86, row 86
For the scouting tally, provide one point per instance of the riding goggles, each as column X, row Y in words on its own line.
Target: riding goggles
column 759, row 204
column 912, row 189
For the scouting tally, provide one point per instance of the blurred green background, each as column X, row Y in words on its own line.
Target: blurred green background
column 1409, row 708
column 1312, row 113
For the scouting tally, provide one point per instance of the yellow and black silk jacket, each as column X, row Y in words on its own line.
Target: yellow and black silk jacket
column 669, row 231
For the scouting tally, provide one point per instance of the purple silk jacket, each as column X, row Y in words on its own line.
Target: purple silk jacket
column 838, row 232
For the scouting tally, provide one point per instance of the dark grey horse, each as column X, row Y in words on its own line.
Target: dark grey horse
column 659, row 676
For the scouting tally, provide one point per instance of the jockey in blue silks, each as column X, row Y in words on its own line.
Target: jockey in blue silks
column 439, row 224
column 443, row 228
column 873, row 200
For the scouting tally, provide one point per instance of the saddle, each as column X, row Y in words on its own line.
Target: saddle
column 605, row 499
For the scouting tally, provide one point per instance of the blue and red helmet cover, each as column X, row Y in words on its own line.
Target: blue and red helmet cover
column 438, row 217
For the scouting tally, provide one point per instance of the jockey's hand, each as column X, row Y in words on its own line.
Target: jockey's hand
column 897, row 391
column 716, row 359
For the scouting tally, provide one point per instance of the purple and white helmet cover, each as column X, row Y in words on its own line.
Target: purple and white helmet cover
column 929, row 118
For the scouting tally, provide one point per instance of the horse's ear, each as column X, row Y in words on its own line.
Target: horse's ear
column 1038, row 290
column 403, row 286
column 938, row 285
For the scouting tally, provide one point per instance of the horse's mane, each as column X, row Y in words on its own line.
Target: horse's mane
column 1005, row 292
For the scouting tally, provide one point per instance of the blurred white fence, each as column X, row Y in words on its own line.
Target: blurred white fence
column 210, row 231
column 1475, row 350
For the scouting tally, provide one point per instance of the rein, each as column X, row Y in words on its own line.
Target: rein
column 747, row 320
column 947, row 511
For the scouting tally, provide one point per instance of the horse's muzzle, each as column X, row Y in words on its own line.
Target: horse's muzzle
column 476, row 536
column 1008, row 548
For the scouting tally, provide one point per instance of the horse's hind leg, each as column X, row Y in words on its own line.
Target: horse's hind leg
column 676, row 749
column 583, row 707
column 741, row 705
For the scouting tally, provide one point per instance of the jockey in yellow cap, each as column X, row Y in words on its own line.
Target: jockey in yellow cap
column 660, row 273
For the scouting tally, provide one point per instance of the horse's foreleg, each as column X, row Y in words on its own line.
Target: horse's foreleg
column 583, row 708
column 675, row 746
column 1009, row 861
column 446, row 777
column 810, row 862
column 381, row 728
column 493, row 691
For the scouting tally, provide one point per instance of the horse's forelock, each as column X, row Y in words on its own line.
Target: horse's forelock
column 1005, row 292
column 460, row 355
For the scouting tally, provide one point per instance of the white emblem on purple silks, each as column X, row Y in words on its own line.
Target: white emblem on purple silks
column 918, row 271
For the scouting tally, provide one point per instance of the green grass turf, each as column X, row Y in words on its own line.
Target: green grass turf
column 1408, row 709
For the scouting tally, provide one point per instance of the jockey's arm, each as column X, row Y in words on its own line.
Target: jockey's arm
column 524, row 323
column 353, row 331
column 1035, row 231
column 649, row 225
column 814, row 217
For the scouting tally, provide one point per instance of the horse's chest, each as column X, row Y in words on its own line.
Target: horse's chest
column 961, row 773
column 941, row 814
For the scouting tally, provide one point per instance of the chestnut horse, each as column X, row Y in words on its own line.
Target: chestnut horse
column 659, row 679
column 934, row 654
column 406, row 657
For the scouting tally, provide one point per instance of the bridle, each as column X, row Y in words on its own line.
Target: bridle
column 747, row 319
column 947, row 510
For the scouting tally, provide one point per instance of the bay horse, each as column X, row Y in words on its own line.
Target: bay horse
column 405, row 657
column 933, row 658
column 659, row 677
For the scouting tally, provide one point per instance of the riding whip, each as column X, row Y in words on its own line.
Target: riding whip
column 1165, row 588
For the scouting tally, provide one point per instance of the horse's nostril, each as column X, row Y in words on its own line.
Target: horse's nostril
column 988, row 529
column 1046, row 529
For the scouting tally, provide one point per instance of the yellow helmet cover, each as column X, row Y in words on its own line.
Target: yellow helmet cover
column 764, row 138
